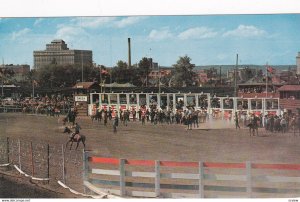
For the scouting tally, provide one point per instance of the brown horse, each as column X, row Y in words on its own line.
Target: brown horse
column 253, row 126
column 74, row 138
column 295, row 126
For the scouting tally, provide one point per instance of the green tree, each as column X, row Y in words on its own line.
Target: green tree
column 120, row 73
column 184, row 74
column 144, row 68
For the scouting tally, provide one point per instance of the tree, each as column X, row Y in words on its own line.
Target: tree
column 144, row 69
column 120, row 73
column 6, row 75
column 184, row 74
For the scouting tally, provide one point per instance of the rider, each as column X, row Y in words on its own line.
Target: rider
column 77, row 128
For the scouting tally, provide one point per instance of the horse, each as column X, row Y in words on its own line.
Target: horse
column 294, row 125
column 73, row 138
column 96, row 116
column 253, row 126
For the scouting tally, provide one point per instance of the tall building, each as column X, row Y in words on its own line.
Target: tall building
column 57, row 52
column 298, row 63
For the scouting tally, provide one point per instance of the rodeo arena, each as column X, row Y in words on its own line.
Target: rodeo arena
column 151, row 143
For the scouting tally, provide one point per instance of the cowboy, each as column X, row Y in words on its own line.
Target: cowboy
column 116, row 122
column 236, row 119
column 77, row 128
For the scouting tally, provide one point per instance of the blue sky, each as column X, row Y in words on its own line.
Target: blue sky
column 208, row 40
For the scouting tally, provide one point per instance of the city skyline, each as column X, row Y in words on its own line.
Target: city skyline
column 206, row 39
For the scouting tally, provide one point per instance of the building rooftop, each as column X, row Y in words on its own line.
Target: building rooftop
column 289, row 88
column 58, row 41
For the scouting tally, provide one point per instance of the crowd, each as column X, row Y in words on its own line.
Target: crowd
column 271, row 122
column 53, row 105
column 190, row 117
column 259, row 89
column 285, row 123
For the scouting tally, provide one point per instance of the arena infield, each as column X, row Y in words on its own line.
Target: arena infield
column 214, row 141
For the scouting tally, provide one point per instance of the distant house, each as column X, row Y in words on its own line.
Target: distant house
column 86, row 87
column 20, row 71
column 290, row 98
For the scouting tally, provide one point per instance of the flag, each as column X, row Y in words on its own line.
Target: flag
column 34, row 83
column 271, row 70
column 104, row 71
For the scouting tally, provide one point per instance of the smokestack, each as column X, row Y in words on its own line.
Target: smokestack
column 129, row 53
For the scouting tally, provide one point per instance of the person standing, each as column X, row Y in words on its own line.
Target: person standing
column 236, row 120
column 143, row 117
column 116, row 123
column 105, row 118
column 140, row 114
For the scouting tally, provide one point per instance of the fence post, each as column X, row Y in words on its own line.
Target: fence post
column 201, row 180
column 32, row 162
column 63, row 163
column 48, row 162
column 157, row 178
column 7, row 148
column 122, row 177
column 85, row 167
column 20, row 165
column 249, row 179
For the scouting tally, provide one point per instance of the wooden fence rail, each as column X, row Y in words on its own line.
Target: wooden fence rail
column 150, row 178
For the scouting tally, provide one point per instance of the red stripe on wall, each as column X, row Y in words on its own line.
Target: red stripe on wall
column 276, row 166
column 140, row 162
column 103, row 160
column 224, row 165
column 178, row 164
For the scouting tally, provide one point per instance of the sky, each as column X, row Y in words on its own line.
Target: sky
column 206, row 39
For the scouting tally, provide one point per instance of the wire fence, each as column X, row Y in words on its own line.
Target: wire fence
column 44, row 161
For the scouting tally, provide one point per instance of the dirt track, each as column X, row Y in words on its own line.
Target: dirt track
column 16, row 187
column 160, row 142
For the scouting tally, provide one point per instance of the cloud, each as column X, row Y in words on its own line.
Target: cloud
column 92, row 22
column 19, row 34
column 71, row 34
column 245, row 31
column 197, row 33
column 128, row 21
column 160, row 34
column 38, row 21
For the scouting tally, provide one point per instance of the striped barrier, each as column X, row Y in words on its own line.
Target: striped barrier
column 4, row 165
column 33, row 178
column 208, row 179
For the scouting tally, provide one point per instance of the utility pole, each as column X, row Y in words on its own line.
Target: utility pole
column 235, row 75
column 158, row 79
column 81, row 66
column 2, row 77
column 221, row 75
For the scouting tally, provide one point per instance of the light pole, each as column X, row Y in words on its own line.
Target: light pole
column 81, row 66
column 159, row 79
column 235, row 76
column 2, row 77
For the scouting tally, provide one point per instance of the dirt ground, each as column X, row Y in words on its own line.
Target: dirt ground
column 215, row 141
column 19, row 187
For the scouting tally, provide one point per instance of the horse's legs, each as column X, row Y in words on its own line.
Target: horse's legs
column 77, row 145
column 68, row 143
column 71, row 145
column 83, row 142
